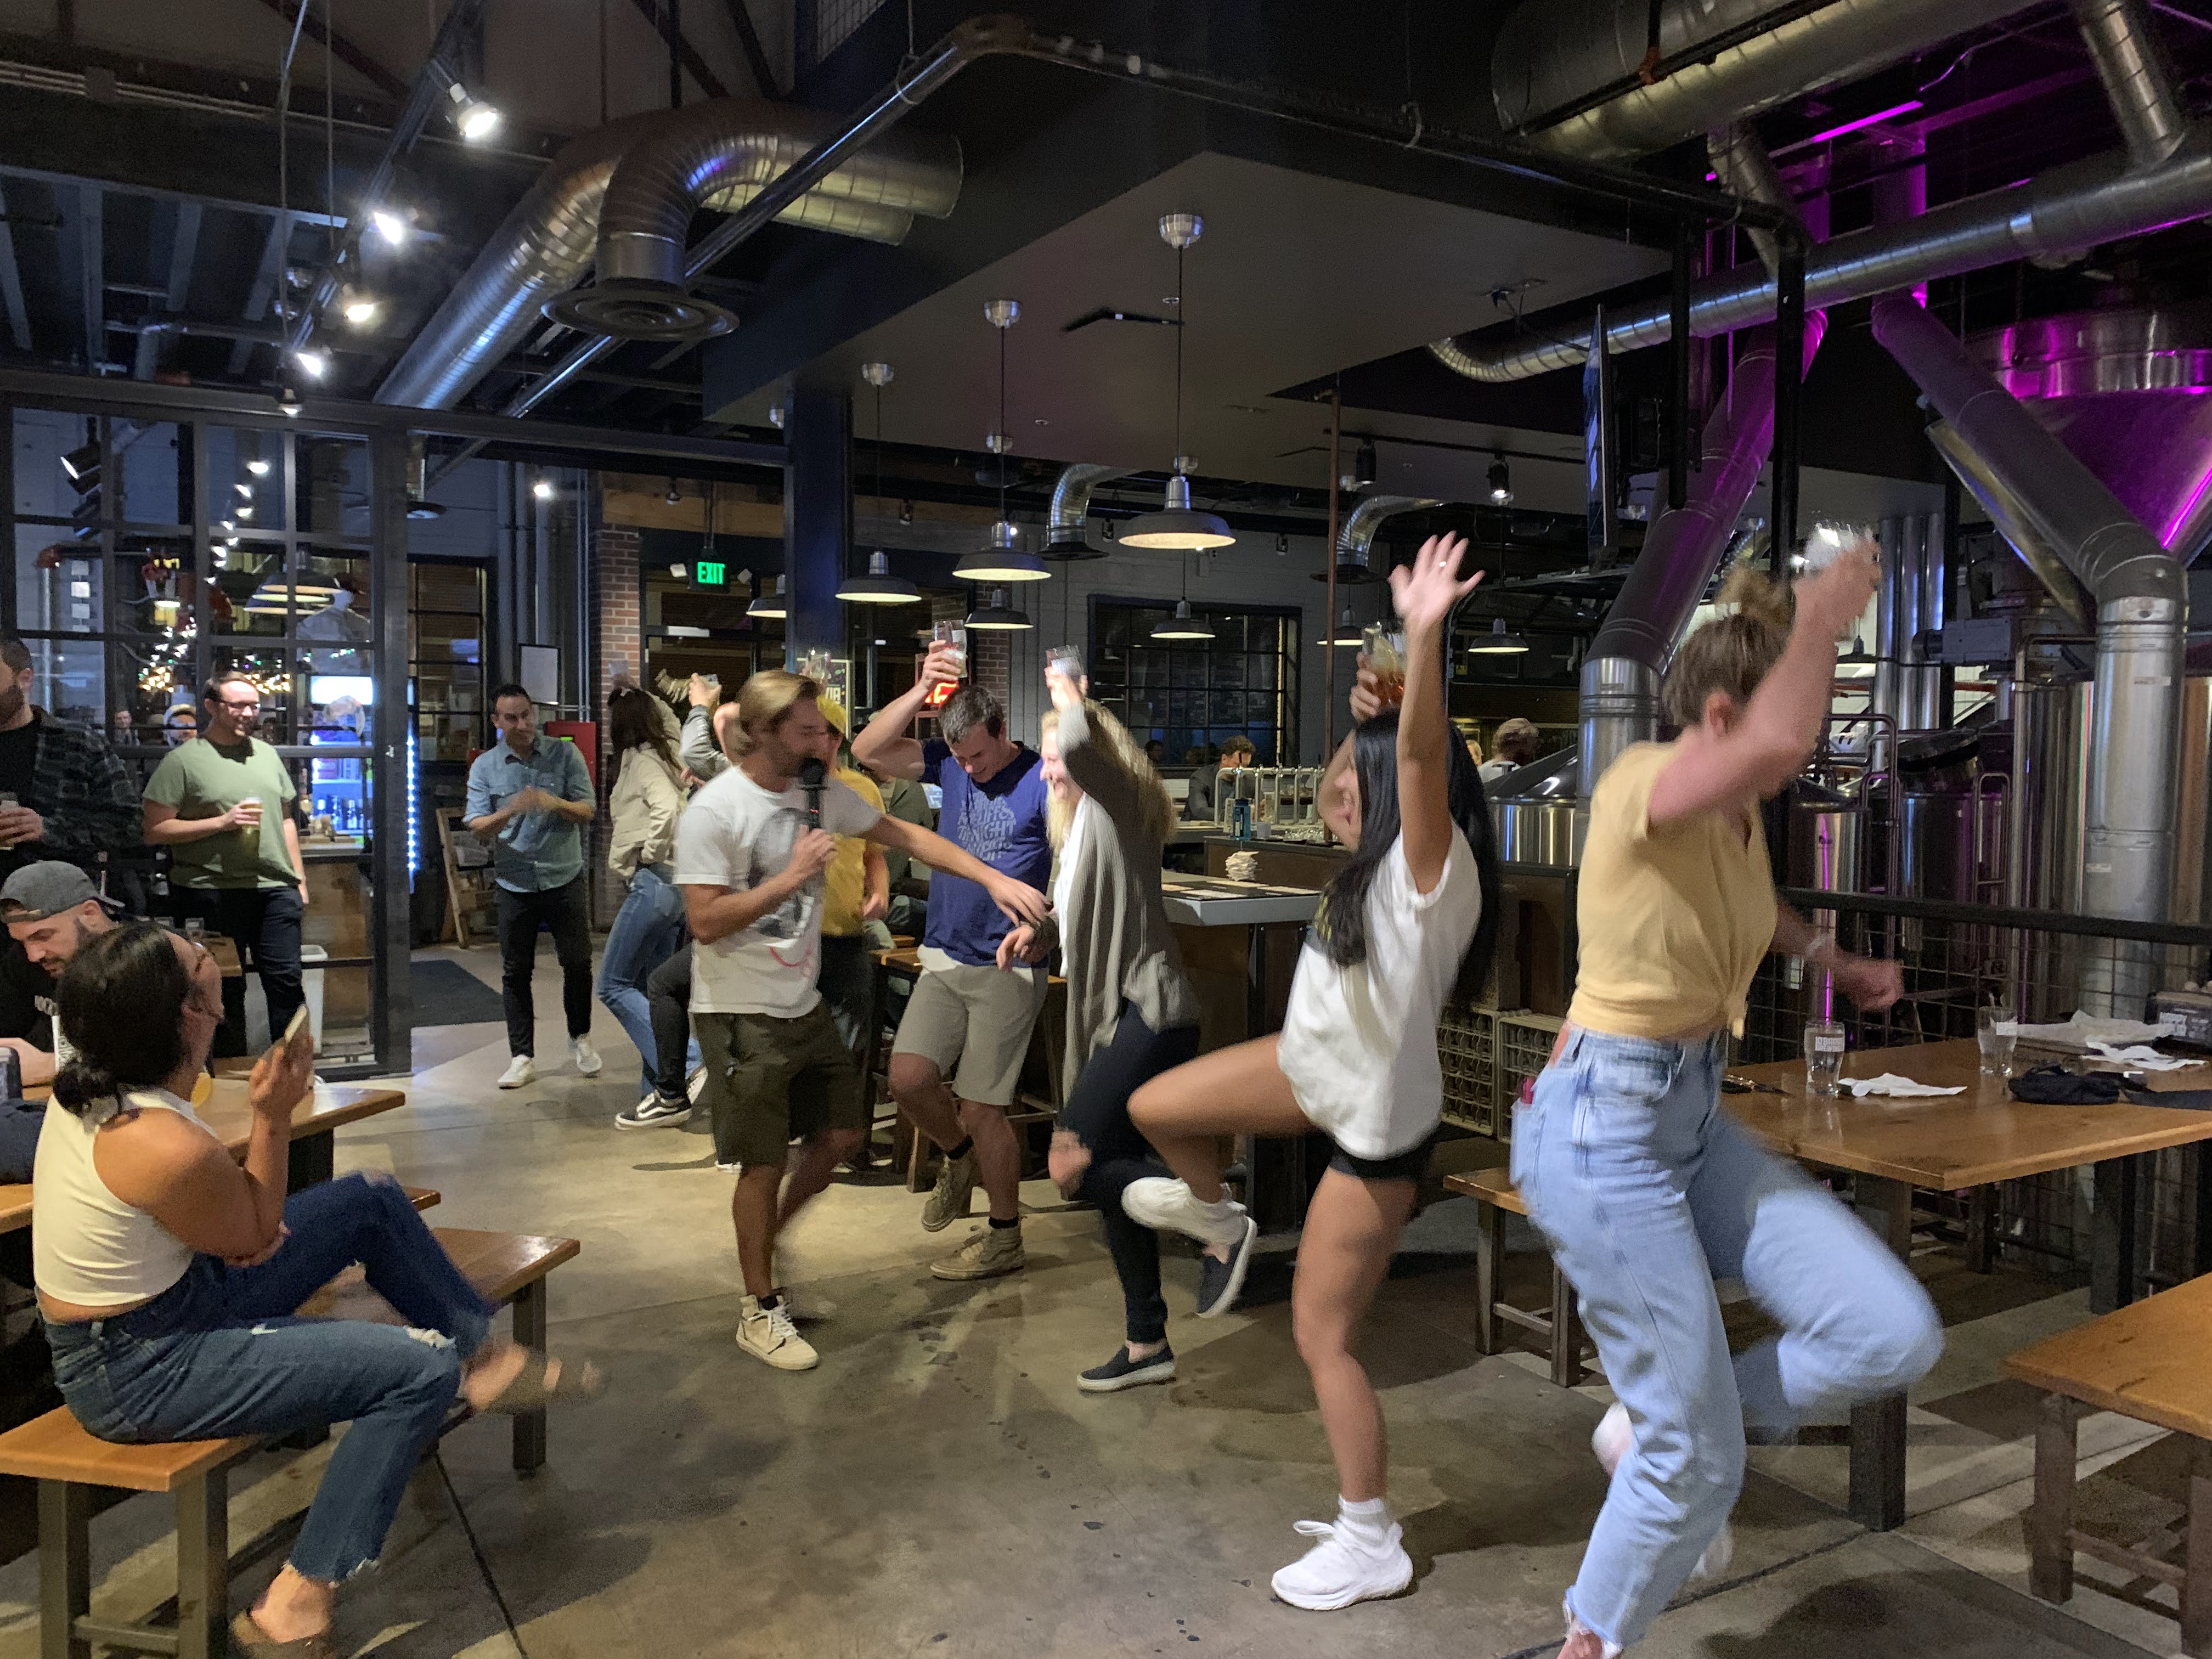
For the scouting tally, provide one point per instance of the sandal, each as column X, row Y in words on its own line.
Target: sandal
column 250, row 1641
column 531, row 1391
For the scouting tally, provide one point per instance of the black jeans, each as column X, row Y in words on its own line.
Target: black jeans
column 566, row 911
column 263, row 922
column 1097, row 1115
column 668, row 991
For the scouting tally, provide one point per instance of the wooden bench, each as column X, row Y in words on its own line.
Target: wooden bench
column 507, row 1269
column 2151, row 1361
column 1557, row 1328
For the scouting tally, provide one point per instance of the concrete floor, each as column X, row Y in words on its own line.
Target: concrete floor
column 937, row 1486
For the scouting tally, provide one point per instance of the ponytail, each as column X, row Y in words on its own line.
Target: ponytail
column 1731, row 653
column 84, row 1089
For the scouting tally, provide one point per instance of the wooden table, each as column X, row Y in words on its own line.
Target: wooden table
column 1951, row 1143
column 221, row 1106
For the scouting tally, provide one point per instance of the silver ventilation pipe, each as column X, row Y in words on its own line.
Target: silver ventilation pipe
column 547, row 244
column 1357, row 534
column 1743, row 167
column 1066, row 534
column 2010, row 517
column 1570, row 75
column 1621, row 675
column 2102, row 198
column 2137, row 81
column 2142, row 606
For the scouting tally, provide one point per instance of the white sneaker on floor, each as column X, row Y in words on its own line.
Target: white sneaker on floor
column 1341, row 1569
column 586, row 1056
column 768, row 1334
column 521, row 1072
column 1166, row 1205
column 1611, row 1440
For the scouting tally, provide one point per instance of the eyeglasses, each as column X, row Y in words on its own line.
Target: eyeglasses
column 243, row 708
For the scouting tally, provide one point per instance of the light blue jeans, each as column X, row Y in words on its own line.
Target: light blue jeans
column 646, row 931
column 1648, row 1191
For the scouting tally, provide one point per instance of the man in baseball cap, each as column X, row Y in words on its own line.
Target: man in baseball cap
column 51, row 908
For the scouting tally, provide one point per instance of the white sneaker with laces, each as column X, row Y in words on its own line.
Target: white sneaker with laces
column 521, row 1072
column 1165, row 1204
column 1342, row 1569
column 1611, row 1440
column 768, row 1334
column 586, row 1056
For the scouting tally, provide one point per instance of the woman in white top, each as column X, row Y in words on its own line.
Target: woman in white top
column 167, row 1275
column 1407, row 920
column 646, row 800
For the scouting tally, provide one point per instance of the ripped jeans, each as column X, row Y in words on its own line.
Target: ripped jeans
column 220, row 1354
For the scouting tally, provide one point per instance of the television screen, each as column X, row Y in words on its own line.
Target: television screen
column 324, row 689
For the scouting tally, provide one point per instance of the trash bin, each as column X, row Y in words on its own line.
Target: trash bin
column 311, row 958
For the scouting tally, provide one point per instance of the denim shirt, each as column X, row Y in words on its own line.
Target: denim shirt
column 536, row 851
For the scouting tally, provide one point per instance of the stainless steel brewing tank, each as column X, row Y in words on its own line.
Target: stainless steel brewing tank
column 1535, row 815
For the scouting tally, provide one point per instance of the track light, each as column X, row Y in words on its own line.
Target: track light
column 475, row 119
column 1501, row 483
column 245, row 511
column 359, row 310
column 542, row 490
column 391, row 225
column 84, row 459
column 314, row 361
column 288, row 403
column 259, row 469
column 246, row 489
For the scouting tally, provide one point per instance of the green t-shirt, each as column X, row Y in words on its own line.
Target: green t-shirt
column 203, row 781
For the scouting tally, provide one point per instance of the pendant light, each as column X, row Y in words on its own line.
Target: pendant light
column 770, row 605
column 878, row 587
column 1181, row 623
column 1347, row 632
column 997, row 616
column 1500, row 480
column 1499, row 642
column 1000, row 558
column 1177, row 527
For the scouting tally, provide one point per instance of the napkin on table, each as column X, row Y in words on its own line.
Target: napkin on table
column 1890, row 1084
column 2140, row 1058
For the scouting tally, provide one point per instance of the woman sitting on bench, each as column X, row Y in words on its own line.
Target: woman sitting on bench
column 169, row 1276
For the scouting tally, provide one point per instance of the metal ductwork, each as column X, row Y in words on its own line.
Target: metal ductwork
column 547, row 244
column 2142, row 599
column 2137, row 82
column 1067, row 535
column 1743, row 167
column 1577, row 76
column 1356, row 535
column 1621, row 673
column 2101, row 199
column 2011, row 519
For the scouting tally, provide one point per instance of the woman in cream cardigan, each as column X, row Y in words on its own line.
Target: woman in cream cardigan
column 1130, row 1013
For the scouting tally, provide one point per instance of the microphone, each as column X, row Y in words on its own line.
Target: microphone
column 812, row 775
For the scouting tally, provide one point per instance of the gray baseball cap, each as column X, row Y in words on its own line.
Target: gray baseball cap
column 38, row 891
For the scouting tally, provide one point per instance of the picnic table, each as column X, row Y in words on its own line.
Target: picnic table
column 1956, row 1143
column 221, row 1105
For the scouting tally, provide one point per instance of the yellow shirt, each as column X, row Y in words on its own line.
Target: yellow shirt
column 845, row 885
column 1674, row 917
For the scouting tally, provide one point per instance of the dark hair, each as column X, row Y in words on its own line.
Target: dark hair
column 121, row 998
column 212, row 690
column 969, row 706
column 14, row 652
column 511, row 690
column 1342, row 923
column 1238, row 746
column 633, row 722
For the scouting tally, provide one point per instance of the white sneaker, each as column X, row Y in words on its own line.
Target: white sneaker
column 1341, row 1569
column 586, row 1056
column 521, row 1072
column 1611, row 1440
column 1162, row 1204
column 768, row 1334
column 695, row 1083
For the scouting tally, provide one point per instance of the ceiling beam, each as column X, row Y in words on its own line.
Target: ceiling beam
column 11, row 285
column 709, row 83
column 263, row 290
column 741, row 19
column 346, row 52
column 184, row 252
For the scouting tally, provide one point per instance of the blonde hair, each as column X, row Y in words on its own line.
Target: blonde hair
column 1122, row 752
column 764, row 699
column 1730, row 653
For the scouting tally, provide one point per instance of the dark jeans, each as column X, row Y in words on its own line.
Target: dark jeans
column 263, row 922
column 668, row 989
column 220, row 1353
column 566, row 911
column 1097, row 1115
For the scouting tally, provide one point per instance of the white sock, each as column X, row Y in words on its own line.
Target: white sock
column 1367, row 1522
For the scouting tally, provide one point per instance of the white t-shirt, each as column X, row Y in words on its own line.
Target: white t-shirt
column 1063, row 884
column 737, row 835
column 1358, row 1045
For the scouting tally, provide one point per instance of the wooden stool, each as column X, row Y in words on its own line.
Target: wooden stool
column 2151, row 1361
column 1558, row 1328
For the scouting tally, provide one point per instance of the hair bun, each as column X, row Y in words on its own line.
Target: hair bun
column 1761, row 596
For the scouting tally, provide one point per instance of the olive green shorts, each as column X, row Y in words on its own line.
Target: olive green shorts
column 770, row 1081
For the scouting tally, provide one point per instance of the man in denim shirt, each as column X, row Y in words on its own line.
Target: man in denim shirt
column 530, row 799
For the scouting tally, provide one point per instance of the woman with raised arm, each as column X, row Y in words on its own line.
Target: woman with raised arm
column 1407, row 919
column 1646, row 1190
column 1130, row 1013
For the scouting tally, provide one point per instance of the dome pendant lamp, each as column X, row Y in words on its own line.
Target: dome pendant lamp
column 1175, row 528
column 1000, row 558
column 878, row 587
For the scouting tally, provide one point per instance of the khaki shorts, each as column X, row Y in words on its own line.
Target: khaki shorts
column 769, row 1081
column 975, row 1019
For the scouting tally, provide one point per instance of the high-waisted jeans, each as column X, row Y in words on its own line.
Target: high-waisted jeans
column 220, row 1352
column 1648, row 1191
column 647, row 930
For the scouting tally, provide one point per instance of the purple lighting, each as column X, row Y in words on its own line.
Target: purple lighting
column 1905, row 108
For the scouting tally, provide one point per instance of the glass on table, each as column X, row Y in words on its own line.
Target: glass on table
column 1824, row 1058
column 1997, row 1032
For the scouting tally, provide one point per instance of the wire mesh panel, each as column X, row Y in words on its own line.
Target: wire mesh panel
column 1524, row 1048
column 1467, row 1047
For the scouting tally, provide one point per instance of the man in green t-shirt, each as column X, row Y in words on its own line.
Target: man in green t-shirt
column 221, row 803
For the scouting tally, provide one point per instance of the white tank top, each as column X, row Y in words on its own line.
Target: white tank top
column 87, row 1246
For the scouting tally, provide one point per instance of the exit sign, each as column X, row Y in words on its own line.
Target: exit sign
column 710, row 574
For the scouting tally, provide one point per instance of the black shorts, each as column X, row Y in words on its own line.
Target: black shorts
column 1405, row 1166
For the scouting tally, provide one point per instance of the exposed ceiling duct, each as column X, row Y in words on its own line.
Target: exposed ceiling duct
column 1356, row 536
column 1067, row 536
column 2099, row 199
column 2142, row 599
column 1578, row 77
column 2012, row 522
column 549, row 241
column 1743, row 167
column 2137, row 82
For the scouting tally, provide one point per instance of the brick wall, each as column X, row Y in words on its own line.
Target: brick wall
column 621, row 642
column 991, row 663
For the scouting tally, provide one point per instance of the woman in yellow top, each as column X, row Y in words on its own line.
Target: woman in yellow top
column 1645, row 1189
